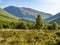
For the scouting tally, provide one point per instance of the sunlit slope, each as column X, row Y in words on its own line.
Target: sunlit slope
column 5, row 16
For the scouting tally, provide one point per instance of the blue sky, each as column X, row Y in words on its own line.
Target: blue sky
column 49, row 6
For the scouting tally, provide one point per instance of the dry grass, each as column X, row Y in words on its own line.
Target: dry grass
column 29, row 37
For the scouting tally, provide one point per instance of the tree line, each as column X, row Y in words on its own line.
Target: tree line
column 38, row 24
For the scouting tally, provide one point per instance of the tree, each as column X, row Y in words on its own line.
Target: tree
column 54, row 26
column 39, row 22
column 22, row 25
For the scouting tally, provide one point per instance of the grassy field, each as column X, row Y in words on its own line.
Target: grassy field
column 29, row 37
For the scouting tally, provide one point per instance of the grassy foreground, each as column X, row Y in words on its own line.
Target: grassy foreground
column 29, row 37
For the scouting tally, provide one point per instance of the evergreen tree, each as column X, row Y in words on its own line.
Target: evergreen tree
column 39, row 22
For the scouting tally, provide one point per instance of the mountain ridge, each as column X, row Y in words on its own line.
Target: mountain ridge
column 54, row 18
column 25, row 13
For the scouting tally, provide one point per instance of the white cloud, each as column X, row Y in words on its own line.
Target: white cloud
column 51, row 6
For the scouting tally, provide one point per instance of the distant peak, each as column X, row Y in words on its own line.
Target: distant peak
column 24, row 8
column 58, row 14
column 11, row 7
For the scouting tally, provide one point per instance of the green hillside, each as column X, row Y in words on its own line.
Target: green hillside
column 5, row 16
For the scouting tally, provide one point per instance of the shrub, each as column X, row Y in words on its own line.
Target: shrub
column 22, row 25
column 49, row 27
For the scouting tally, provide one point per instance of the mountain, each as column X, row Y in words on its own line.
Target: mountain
column 26, row 13
column 55, row 18
column 5, row 16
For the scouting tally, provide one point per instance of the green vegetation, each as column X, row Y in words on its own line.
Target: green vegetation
column 14, row 31
column 9, row 22
column 27, row 33
column 39, row 22
column 54, row 26
column 29, row 37
column 7, row 17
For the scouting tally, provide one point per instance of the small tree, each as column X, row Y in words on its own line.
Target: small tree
column 39, row 22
